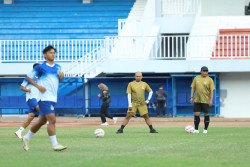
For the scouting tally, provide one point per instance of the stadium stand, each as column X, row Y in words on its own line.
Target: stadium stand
column 61, row 19
column 232, row 44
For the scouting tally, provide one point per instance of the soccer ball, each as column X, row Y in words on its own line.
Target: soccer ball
column 99, row 133
column 189, row 129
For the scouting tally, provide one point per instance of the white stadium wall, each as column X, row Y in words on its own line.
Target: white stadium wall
column 235, row 95
column 223, row 8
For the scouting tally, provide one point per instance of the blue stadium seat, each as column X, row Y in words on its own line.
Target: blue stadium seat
column 61, row 19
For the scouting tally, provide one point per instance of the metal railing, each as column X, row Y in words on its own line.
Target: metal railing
column 219, row 47
column 86, row 64
column 232, row 47
column 87, row 55
column 31, row 50
column 172, row 47
column 179, row 7
column 132, row 47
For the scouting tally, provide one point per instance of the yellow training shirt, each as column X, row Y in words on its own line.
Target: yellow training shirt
column 203, row 87
column 137, row 91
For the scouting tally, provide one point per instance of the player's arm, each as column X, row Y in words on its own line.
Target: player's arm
column 105, row 95
column 165, row 94
column 192, row 95
column 24, row 85
column 61, row 75
column 25, row 89
column 129, row 91
column 192, row 91
column 32, row 82
column 212, row 88
column 211, row 98
column 30, row 79
column 149, row 97
column 156, row 94
column 129, row 102
column 150, row 93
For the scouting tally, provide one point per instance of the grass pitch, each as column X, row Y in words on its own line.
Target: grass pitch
column 136, row 147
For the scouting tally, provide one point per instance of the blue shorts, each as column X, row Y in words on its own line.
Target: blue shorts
column 46, row 107
column 32, row 103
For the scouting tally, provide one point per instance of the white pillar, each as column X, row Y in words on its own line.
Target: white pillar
column 8, row 1
column 87, row 1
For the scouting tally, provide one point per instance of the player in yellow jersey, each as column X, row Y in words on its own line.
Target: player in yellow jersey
column 136, row 99
column 203, row 86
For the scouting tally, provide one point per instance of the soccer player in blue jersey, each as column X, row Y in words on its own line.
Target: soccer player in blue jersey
column 49, row 75
column 31, row 99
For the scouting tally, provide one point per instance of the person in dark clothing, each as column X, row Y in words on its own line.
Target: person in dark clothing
column 161, row 95
column 106, row 99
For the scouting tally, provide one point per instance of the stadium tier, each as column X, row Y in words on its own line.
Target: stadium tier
column 55, row 19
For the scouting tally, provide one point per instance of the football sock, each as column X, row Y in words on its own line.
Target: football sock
column 122, row 127
column 150, row 127
column 21, row 129
column 29, row 135
column 196, row 122
column 53, row 140
column 206, row 122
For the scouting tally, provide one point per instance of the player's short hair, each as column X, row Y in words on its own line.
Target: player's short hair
column 48, row 48
column 35, row 65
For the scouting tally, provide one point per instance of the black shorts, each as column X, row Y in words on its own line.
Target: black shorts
column 201, row 107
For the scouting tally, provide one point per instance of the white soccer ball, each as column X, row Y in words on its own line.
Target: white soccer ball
column 99, row 133
column 189, row 129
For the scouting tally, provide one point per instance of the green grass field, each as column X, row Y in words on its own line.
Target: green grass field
column 222, row 146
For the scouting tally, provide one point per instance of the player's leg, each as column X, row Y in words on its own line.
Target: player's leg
column 31, row 116
column 33, row 105
column 143, row 110
column 41, row 121
column 52, row 124
column 164, row 109
column 125, row 122
column 52, row 132
column 149, row 123
column 102, row 114
column 197, row 112
column 161, row 103
column 26, row 123
column 108, row 115
column 206, row 110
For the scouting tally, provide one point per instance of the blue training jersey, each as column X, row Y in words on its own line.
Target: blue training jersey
column 34, row 91
column 48, row 78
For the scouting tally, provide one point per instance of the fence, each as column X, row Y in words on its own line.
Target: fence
column 87, row 54
column 31, row 50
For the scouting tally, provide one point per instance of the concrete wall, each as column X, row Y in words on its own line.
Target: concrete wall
column 235, row 95
column 223, row 8
column 174, row 25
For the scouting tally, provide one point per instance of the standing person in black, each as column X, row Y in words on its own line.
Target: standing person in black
column 106, row 99
column 161, row 95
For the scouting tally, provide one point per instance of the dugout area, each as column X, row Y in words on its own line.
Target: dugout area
column 78, row 96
